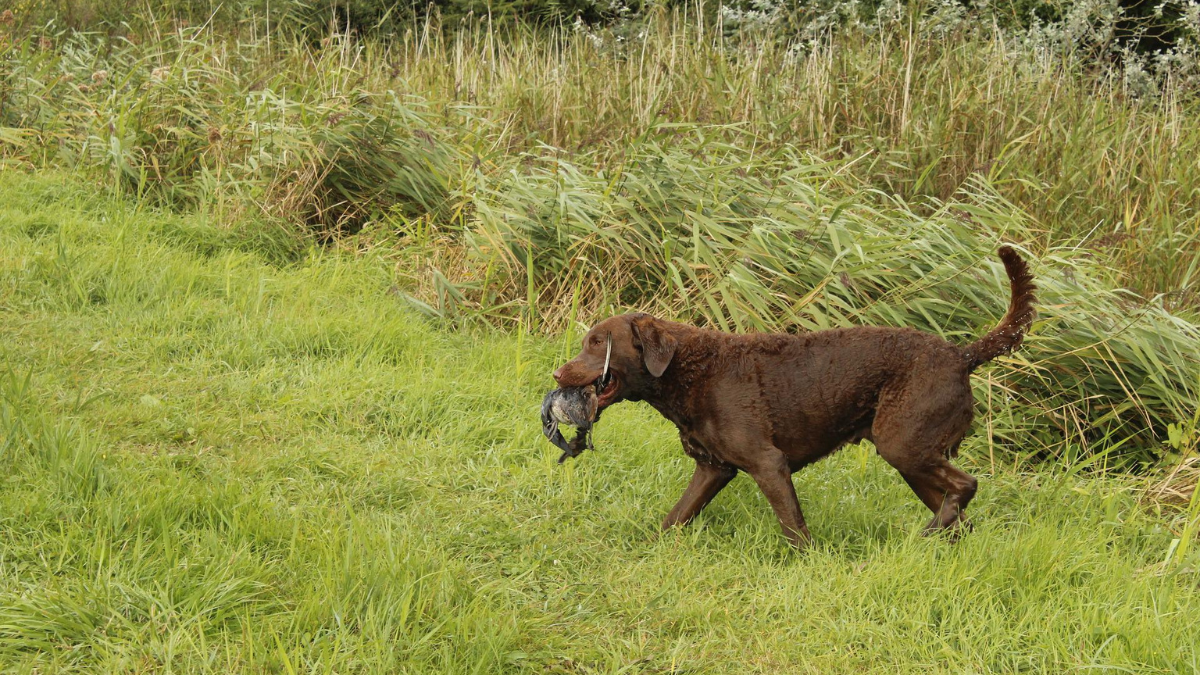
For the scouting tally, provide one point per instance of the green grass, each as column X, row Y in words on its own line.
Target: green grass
column 213, row 462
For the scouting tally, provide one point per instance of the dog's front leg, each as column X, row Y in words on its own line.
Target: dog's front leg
column 706, row 482
column 774, row 478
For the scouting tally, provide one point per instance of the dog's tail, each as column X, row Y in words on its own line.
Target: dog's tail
column 1007, row 336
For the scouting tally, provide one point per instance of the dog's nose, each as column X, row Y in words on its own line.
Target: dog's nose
column 559, row 374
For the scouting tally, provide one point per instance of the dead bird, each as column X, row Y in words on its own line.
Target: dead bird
column 578, row 407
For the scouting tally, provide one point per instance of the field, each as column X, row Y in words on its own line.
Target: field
column 278, row 309
column 216, row 463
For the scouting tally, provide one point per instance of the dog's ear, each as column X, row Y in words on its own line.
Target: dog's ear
column 658, row 346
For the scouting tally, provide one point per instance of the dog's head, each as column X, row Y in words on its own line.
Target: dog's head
column 641, row 350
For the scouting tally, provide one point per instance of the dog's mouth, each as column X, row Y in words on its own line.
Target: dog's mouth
column 608, row 387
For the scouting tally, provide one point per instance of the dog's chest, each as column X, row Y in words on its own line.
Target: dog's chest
column 694, row 448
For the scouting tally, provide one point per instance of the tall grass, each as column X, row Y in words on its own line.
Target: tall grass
column 1089, row 155
column 923, row 113
column 536, row 179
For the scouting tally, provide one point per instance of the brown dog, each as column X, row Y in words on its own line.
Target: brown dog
column 771, row 404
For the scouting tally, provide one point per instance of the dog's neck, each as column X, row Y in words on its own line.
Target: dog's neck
column 674, row 393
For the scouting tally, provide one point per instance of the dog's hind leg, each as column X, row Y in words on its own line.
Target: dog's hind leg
column 915, row 431
column 960, row 488
column 946, row 490
column 929, row 495
column 942, row 487
column 706, row 482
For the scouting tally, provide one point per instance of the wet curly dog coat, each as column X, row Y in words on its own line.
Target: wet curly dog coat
column 771, row 404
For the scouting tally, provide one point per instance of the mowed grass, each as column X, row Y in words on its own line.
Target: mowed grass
column 213, row 463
